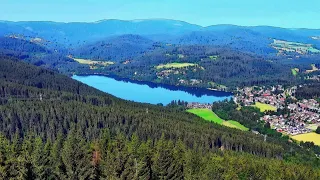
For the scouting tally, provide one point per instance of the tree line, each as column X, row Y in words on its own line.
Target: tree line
column 71, row 111
column 116, row 157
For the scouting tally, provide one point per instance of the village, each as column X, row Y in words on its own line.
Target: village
column 303, row 116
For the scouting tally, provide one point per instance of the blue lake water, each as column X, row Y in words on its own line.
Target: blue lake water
column 149, row 92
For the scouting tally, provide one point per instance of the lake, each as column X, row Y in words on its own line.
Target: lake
column 149, row 92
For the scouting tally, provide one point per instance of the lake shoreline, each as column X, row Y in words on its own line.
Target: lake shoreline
column 150, row 92
column 197, row 91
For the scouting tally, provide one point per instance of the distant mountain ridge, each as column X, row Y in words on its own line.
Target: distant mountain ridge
column 70, row 36
column 81, row 32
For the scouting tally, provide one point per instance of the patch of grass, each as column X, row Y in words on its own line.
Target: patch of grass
column 209, row 115
column 265, row 107
column 174, row 65
column 93, row 62
column 239, row 107
column 213, row 57
column 294, row 71
column 311, row 137
column 314, row 68
column 313, row 127
column 235, row 124
column 206, row 114
column 287, row 47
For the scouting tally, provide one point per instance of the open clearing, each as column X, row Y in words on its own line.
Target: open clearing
column 213, row 57
column 295, row 71
column 314, row 68
column 284, row 47
column 265, row 107
column 311, row 137
column 235, row 124
column 206, row 114
column 209, row 115
column 174, row 65
column 313, row 127
column 93, row 62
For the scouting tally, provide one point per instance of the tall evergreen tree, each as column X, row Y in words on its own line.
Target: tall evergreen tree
column 76, row 157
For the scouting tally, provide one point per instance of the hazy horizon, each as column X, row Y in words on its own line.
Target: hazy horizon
column 128, row 20
column 285, row 13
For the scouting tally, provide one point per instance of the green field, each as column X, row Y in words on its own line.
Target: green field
column 93, row 62
column 209, row 115
column 174, row 65
column 313, row 69
column 295, row 71
column 287, row 47
column 206, row 114
column 213, row 57
column 265, row 107
column 313, row 127
column 312, row 137
column 235, row 124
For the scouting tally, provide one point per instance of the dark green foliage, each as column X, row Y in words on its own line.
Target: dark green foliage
column 318, row 130
column 231, row 68
column 78, row 132
column 119, row 48
column 171, row 162
column 309, row 91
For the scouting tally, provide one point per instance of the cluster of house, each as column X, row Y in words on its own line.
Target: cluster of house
column 274, row 96
column 166, row 73
column 302, row 115
column 315, row 77
column 195, row 105
column 285, row 125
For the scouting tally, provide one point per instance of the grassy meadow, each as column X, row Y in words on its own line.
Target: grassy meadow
column 313, row 127
column 213, row 57
column 287, row 46
column 235, row 124
column 295, row 71
column 313, row 69
column 264, row 107
column 174, row 65
column 206, row 114
column 93, row 62
column 209, row 115
column 314, row 137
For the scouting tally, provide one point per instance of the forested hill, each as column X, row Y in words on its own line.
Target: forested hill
column 37, row 54
column 55, row 126
column 118, row 48
column 209, row 66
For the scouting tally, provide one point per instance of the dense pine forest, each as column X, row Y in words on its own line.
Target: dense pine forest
column 137, row 58
column 213, row 64
column 56, row 128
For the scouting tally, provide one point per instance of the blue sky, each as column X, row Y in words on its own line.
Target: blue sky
column 282, row 13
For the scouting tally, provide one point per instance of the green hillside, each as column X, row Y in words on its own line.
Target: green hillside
column 57, row 128
column 209, row 115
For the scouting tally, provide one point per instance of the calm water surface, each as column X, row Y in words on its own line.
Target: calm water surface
column 151, row 93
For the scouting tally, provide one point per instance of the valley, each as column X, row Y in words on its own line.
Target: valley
column 158, row 98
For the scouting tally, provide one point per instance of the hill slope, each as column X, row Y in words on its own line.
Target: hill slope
column 119, row 48
column 53, row 121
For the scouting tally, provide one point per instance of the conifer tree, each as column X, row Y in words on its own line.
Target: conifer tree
column 55, row 159
column 145, row 166
column 76, row 157
column 163, row 159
